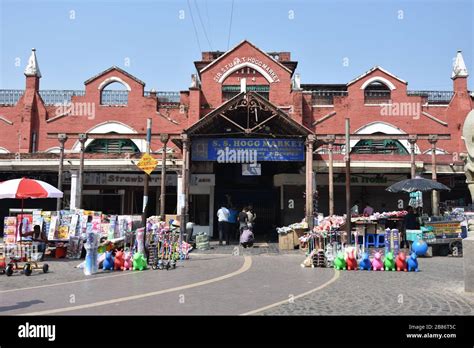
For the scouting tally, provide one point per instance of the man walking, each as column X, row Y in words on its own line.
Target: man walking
column 223, row 222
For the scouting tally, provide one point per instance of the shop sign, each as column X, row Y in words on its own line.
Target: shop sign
column 203, row 179
column 247, row 150
column 249, row 169
column 244, row 61
column 124, row 179
column 147, row 163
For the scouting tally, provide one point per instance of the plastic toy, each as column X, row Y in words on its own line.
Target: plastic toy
column 389, row 262
column 351, row 261
column 365, row 263
column 139, row 262
column 377, row 264
column 419, row 247
column 91, row 265
column 119, row 261
column 412, row 263
column 319, row 259
column 339, row 262
column 401, row 262
column 128, row 263
column 108, row 262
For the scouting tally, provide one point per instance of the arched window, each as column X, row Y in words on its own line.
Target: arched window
column 377, row 93
column 109, row 146
column 383, row 146
column 114, row 94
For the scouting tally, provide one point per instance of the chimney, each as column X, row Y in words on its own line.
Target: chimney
column 459, row 74
column 32, row 72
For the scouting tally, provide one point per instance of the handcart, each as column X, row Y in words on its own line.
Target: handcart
column 25, row 260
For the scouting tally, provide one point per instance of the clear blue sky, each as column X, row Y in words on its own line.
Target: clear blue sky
column 161, row 47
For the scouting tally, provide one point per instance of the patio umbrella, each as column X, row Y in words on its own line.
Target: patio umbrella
column 27, row 188
column 417, row 184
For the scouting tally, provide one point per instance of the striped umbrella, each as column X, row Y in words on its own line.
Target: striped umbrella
column 28, row 188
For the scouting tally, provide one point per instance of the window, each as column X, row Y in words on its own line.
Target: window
column 109, row 146
column 230, row 91
column 114, row 94
column 385, row 146
column 377, row 93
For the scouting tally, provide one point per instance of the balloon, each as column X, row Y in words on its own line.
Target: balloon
column 419, row 247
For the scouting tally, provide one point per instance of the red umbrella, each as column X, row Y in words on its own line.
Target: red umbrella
column 28, row 188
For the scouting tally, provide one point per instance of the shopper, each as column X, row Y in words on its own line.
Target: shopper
column 223, row 221
column 368, row 210
column 410, row 222
column 247, row 237
column 243, row 219
column 251, row 216
column 233, row 220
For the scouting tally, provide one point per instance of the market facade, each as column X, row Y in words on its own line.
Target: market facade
column 247, row 132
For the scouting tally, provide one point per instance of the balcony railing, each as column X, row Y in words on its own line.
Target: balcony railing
column 168, row 97
column 53, row 97
column 114, row 98
column 434, row 97
column 377, row 97
column 10, row 96
column 326, row 97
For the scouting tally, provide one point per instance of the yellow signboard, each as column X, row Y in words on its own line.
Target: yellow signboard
column 147, row 163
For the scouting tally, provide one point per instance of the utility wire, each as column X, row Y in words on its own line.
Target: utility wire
column 194, row 26
column 202, row 24
column 230, row 24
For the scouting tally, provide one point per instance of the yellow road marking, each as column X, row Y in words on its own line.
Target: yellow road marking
column 245, row 267
column 332, row 280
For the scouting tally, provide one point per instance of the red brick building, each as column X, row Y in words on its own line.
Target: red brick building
column 243, row 93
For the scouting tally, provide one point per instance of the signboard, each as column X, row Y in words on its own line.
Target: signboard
column 247, row 150
column 124, row 179
column 203, row 180
column 147, row 163
column 249, row 169
column 448, row 229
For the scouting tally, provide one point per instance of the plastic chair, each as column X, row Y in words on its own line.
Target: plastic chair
column 370, row 240
column 380, row 240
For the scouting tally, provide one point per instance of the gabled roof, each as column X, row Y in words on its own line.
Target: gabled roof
column 237, row 46
column 291, row 124
column 117, row 69
column 373, row 69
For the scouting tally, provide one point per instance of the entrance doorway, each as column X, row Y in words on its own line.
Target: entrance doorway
column 233, row 188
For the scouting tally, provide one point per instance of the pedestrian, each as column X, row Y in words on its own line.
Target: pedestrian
column 247, row 237
column 223, row 221
column 368, row 210
column 410, row 222
column 251, row 216
column 243, row 219
column 233, row 220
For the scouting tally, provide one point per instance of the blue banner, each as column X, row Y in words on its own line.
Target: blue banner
column 247, row 150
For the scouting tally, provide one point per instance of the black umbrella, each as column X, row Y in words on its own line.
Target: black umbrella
column 417, row 184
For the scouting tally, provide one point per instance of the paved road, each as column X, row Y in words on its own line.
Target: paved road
column 252, row 282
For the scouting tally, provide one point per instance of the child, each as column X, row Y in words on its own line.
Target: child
column 246, row 237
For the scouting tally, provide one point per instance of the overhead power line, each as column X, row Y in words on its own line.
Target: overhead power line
column 202, row 24
column 194, row 26
column 230, row 24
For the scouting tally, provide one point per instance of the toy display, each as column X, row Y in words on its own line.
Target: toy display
column 119, row 261
column 139, row 262
column 351, row 261
column 419, row 247
column 128, row 263
column 91, row 264
column 401, row 262
column 377, row 264
column 412, row 263
column 365, row 263
column 109, row 261
column 389, row 262
column 340, row 262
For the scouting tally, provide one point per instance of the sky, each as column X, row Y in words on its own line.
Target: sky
column 334, row 41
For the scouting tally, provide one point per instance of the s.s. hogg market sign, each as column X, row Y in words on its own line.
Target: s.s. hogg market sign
column 247, row 150
column 242, row 62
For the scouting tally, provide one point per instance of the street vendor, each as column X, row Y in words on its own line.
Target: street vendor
column 38, row 236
